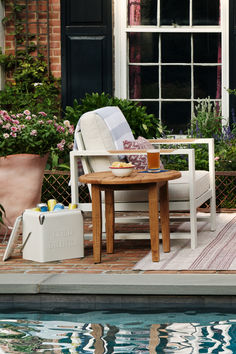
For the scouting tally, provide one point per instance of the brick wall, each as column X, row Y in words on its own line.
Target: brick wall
column 55, row 37
column 54, row 31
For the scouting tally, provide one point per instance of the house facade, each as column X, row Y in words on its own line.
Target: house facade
column 164, row 56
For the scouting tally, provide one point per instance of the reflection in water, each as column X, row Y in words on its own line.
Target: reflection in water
column 129, row 335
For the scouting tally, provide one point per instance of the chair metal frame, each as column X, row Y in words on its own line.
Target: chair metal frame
column 190, row 205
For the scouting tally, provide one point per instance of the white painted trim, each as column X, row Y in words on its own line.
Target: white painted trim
column 120, row 21
column 168, row 29
column 225, row 59
column 121, row 50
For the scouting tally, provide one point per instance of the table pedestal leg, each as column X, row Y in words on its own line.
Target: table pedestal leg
column 97, row 223
column 153, row 220
column 110, row 219
column 164, row 214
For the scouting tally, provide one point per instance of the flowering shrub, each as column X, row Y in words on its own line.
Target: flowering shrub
column 34, row 134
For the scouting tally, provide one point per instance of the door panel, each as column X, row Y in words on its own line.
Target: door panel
column 86, row 48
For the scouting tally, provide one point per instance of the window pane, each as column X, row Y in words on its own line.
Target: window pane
column 143, row 47
column 175, row 48
column 174, row 13
column 207, row 48
column 152, row 107
column 176, row 82
column 206, row 12
column 176, row 116
column 143, row 81
column 142, row 12
column 207, row 82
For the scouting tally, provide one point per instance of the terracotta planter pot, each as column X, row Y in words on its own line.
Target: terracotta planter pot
column 21, row 178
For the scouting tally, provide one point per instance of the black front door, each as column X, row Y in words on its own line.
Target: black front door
column 86, row 29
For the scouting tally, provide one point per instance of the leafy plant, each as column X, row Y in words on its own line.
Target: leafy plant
column 30, row 86
column 141, row 123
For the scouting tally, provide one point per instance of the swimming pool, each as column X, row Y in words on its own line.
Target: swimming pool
column 118, row 332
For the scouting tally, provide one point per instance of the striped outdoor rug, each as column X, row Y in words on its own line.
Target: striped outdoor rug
column 216, row 250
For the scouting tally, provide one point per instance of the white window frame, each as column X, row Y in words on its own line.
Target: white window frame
column 121, row 47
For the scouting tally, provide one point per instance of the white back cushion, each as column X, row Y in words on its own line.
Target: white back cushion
column 102, row 130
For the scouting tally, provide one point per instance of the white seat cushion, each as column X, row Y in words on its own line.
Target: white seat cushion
column 178, row 189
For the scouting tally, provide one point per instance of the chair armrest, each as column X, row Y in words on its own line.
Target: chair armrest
column 84, row 153
column 190, row 141
column 182, row 141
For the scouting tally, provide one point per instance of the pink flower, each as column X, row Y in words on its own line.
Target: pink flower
column 71, row 130
column 27, row 112
column 33, row 132
column 49, row 121
column 217, row 158
column 28, row 118
column 13, row 135
column 1, row 121
column 60, row 146
column 16, row 121
column 14, row 129
column 7, row 126
column 60, row 128
column 41, row 122
column 43, row 114
column 5, row 135
column 6, row 117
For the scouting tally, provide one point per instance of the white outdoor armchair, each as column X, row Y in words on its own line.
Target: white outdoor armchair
column 99, row 141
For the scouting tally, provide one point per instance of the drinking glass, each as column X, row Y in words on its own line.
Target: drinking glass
column 153, row 158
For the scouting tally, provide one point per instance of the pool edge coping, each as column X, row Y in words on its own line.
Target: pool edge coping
column 119, row 284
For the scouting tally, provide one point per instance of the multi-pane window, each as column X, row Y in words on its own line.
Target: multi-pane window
column 170, row 55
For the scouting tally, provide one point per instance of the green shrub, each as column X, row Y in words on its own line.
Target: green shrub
column 141, row 123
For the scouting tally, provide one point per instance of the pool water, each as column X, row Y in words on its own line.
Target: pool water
column 118, row 332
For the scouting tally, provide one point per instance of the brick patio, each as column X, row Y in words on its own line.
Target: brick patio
column 127, row 254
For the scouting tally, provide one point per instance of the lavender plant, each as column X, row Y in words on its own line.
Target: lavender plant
column 208, row 122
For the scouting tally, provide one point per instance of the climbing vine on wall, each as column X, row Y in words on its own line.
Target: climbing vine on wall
column 29, row 83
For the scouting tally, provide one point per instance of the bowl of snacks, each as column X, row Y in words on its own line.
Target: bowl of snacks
column 121, row 169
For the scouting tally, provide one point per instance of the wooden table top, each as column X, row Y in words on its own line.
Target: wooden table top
column 107, row 177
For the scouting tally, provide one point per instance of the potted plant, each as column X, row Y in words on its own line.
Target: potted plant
column 26, row 142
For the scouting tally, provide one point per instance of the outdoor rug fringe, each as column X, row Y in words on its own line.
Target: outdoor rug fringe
column 216, row 250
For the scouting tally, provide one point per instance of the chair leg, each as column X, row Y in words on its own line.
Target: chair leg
column 213, row 214
column 193, row 227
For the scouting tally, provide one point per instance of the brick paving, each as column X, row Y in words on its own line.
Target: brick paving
column 127, row 254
